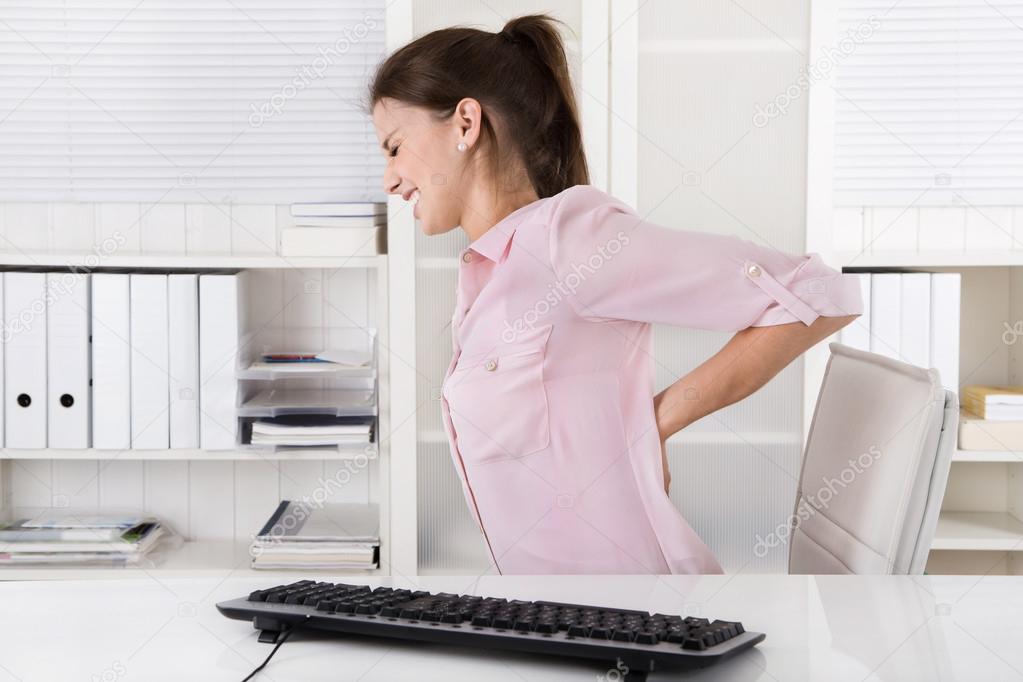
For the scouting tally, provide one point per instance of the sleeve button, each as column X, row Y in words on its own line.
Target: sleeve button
column 753, row 270
column 491, row 365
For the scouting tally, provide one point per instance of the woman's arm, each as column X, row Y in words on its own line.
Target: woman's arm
column 748, row 361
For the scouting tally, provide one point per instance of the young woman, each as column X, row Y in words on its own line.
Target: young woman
column 548, row 401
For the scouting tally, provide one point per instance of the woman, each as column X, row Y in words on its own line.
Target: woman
column 547, row 402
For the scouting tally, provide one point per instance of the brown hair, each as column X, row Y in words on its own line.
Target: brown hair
column 520, row 78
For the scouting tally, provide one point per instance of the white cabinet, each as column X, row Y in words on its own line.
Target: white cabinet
column 218, row 499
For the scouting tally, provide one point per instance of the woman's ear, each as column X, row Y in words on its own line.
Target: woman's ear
column 468, row 120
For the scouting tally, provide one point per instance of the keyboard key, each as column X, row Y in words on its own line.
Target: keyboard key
column 694, row 644
column 646, row 637
column 579, row 631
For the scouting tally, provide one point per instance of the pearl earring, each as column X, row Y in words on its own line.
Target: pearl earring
column 462, row 146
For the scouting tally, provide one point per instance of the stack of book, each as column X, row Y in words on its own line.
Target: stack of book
column 991, row 418
column 57, row 537
column 326, row 536
column 336, row 229
column 1000, row 403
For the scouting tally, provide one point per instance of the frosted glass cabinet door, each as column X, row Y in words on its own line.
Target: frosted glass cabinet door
column 707, row 162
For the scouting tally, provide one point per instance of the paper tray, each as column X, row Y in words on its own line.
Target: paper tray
column 337, row 402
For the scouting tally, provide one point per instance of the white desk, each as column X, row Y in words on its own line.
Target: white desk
column 818, row 628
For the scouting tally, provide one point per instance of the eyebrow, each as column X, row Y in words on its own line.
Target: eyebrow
column 384, row 144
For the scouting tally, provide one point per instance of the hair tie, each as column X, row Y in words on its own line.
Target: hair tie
column 508, row 36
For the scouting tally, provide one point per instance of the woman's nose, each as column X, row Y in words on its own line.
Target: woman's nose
column 391, row 182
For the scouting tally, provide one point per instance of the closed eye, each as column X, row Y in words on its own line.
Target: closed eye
column 394, row 150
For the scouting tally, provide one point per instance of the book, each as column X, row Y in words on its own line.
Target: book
column 135, row 540
column 997, row 403
column 333, row 242
column 325, row 536
column 342, row 222
column 338, row 356
column 977, row 433
column 329, row 522
column 59, row 518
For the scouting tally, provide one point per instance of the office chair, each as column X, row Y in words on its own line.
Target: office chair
column 875, row 466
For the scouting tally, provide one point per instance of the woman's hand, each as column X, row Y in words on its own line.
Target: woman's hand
column 664, row 465
column 663, row 438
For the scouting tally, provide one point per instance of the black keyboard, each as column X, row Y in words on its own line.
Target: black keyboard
column 635, row 640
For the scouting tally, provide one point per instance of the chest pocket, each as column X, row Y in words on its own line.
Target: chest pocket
column 498, row 401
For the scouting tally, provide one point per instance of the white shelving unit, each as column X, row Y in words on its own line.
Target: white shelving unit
column 234, row 489
column 980, row 530
column 217, row 499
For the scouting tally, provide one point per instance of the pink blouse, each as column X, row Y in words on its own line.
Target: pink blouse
column 548, row 400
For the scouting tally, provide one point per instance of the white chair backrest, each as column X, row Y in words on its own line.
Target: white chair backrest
column 874, row 469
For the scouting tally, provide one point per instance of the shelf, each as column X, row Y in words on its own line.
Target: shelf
column 997, row 531
column 242, row 453
column 855, row 259
column 274, row 402
column 196, row 559
column 986, row 456
column 169, row 261
column 303, row 370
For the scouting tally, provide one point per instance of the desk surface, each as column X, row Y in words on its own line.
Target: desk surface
column 818, row 628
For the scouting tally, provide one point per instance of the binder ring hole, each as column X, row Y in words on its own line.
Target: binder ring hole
column 24, row 400
column 67, row 400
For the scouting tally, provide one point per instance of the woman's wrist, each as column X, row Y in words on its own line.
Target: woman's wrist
column 669, row 413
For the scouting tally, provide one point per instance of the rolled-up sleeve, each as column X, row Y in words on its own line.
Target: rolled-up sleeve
column 613, row 265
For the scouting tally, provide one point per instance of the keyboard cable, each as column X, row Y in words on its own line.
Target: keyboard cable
column 284, row 637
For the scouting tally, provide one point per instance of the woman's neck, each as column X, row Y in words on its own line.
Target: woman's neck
column 485, row 208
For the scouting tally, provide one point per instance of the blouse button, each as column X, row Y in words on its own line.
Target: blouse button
column 466, row 256
column 491, row 365
column 753, row 270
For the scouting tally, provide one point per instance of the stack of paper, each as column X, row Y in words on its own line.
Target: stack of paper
column 56, row 537
column 326, row 536
column 338, row 229
column 313, row 363
column 312, row 429
column 997, row 403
